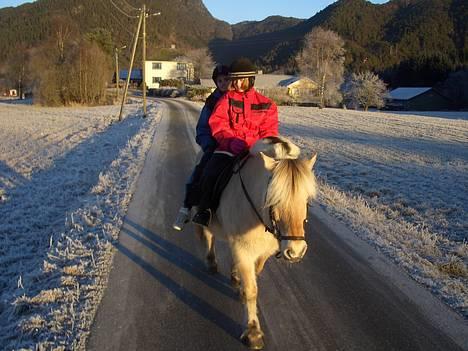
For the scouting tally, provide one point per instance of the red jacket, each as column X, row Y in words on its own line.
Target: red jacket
column 246, row 116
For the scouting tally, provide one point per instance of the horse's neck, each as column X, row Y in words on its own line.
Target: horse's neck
column 256, row 178
column 235, row 210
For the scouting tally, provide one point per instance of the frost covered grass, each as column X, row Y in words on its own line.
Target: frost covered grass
column 400, row 181
column 66, row 179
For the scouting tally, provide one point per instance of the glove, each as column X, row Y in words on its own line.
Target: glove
column 237, row 146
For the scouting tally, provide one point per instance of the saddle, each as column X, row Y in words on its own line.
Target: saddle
column 224, row 178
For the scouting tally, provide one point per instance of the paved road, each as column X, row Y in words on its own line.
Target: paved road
column 159, row 296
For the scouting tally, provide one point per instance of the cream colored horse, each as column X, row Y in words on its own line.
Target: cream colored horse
column 274, row 195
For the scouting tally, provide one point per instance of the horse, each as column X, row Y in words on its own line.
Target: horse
column 262, row 212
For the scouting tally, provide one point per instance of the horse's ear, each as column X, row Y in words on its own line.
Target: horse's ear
column 311, row 162
column 269, row 162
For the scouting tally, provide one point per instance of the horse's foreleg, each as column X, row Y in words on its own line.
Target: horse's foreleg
column 208, row 243
column 253, row 335
column 259, row 264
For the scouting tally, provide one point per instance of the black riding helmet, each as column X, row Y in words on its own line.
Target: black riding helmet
column 243, row 68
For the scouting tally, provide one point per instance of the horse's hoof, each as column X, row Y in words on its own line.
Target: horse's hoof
column 253, row 339
column 253, row 342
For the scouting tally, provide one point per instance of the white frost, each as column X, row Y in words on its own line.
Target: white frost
column 66, row 179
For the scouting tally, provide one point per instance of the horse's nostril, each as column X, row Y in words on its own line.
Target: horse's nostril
column 289, row 253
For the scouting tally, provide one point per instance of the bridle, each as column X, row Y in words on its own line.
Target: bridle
column 274, row 227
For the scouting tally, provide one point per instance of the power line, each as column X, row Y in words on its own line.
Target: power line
column 115, row 18
column 132, row 7
column 122, row 11
column 121, row 25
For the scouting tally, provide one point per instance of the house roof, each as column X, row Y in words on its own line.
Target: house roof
column 407, row 93
column 264, row 81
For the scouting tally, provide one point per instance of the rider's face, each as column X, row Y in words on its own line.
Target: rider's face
column 222, row 82
column 241, row 84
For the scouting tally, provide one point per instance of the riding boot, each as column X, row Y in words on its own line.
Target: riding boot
column 215, row 166
column 202, row 217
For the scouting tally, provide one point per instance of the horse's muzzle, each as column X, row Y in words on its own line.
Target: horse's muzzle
column 295, row 251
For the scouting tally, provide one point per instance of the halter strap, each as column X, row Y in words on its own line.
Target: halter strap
column 274, row 229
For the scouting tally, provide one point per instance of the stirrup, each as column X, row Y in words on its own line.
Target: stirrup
column 182, row 218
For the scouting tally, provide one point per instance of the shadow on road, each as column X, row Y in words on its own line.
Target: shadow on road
column 181, row 258
column 191, row 265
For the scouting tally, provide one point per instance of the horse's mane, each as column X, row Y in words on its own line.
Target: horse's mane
column 276, row 147
column 291, row 178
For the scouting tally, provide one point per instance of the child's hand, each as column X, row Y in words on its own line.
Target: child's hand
column 237, row 146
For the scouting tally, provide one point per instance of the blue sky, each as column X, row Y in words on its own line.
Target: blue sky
column 244, row 10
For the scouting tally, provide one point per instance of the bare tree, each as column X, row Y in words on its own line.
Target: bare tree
column 322, row 59
column 366, row 89
column 90, row 70
column 64, row 31
column 80, row 78
column 202, row 62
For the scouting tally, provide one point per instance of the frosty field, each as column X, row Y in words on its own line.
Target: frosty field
column 399, row 181
column 66, row 178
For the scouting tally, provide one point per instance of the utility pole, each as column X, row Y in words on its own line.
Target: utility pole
column 144, row 60
column 135, row 42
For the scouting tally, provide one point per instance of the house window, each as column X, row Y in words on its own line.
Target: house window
column 181, row 66
column 157, row 65
column 157, row 79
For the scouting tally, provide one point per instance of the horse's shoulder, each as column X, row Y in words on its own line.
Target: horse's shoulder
column 277, row 147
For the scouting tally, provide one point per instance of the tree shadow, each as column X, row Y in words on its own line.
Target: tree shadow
column 37, row 208
column 190, row 264
column 9, row 179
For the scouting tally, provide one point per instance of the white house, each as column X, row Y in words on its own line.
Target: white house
column 156, row 71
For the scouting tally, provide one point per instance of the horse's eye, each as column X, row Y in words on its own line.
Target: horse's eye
column 306, row 221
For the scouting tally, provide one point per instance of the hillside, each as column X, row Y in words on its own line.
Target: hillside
column 268, row 25
column 186, row 23
column 425, row 37
column 410, row 42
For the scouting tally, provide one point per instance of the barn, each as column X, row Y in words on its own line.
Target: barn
column 417, row 99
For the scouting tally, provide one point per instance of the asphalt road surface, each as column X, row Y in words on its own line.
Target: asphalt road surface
column 160, row 297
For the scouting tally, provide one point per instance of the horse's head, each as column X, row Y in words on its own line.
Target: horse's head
column 292, row 186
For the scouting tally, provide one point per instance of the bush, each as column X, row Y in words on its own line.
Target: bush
column 279, row 96
column 173, row 83
column 166, row 92
column 198, row 93
column 80, row 76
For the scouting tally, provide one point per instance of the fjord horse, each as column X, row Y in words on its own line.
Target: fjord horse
column 261, row 213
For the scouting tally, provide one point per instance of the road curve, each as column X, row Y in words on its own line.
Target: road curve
column 159, row 296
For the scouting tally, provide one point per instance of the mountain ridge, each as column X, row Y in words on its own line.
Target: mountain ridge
column 394, row 38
